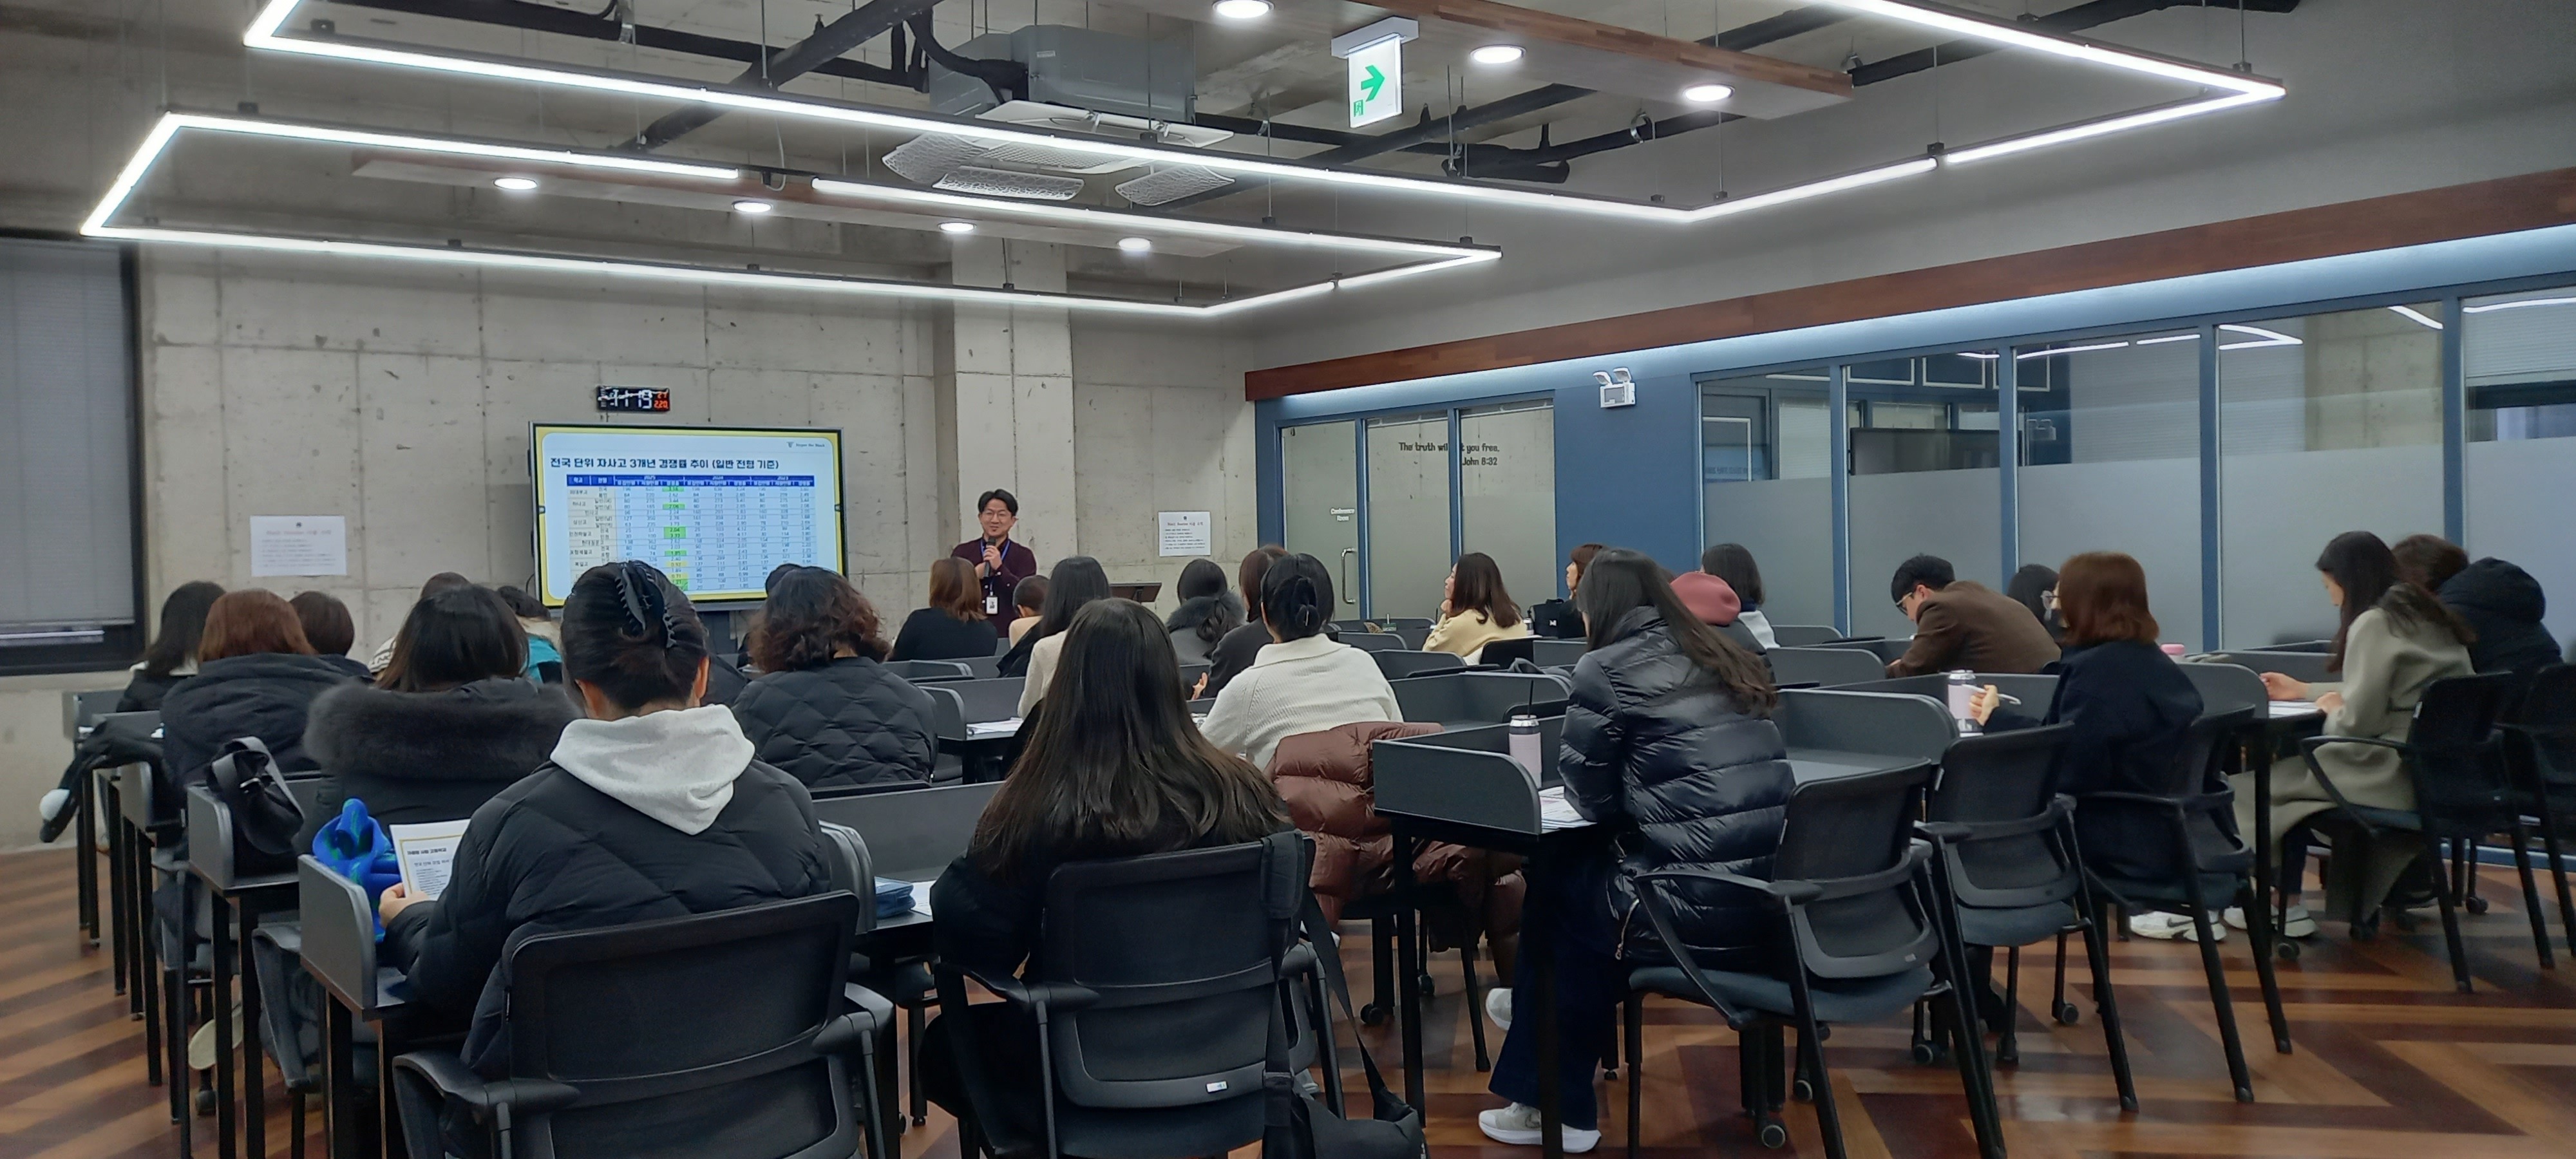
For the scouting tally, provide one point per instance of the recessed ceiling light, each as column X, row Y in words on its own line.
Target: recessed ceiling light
column 1707, row 94
column 1496, row 54
column 747, row 205
column 1243, row 9
column 1136, row 245
column 516, row 184
column 956, row 227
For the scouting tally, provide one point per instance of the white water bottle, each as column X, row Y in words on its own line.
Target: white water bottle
column 1525, row 748
column 1963, row 697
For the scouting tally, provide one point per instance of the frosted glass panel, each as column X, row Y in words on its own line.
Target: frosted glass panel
column 2110, row 454
column 1321, row 491
column 2327, row 424
column 1408, row 514
column 2521, row 355
column 1925, row 480
column 1776, row 499
column 1507, row 480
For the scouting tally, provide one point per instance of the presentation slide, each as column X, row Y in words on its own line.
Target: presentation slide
column 714, row 508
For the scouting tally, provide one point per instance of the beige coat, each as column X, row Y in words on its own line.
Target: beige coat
column 2385, row 673
column 1467, row 633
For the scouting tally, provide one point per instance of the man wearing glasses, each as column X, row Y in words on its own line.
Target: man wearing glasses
column 1964, row 625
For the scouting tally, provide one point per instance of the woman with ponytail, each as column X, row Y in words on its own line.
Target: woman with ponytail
column 1304, row 680
column 651, row 808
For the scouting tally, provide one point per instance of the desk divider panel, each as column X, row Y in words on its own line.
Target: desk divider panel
column 1851, row 721
column 2034, row 692
column 2226, row 688
column 947, row 713
column 1466, row 698
column 1465, row 776
column 913, row 832
column 1827, row 667
column 1888, row 651
column 2306, row 667
column 339, row 931
column 984, row 700
column 1558, row 653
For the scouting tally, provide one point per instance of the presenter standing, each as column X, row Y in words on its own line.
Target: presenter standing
column 999, row 563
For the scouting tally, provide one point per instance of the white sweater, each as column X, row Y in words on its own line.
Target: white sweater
column 1304, row 685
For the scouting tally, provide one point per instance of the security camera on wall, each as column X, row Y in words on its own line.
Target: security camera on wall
column 1617, row 389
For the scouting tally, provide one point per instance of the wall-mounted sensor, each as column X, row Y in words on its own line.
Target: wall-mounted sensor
column 1617, row 390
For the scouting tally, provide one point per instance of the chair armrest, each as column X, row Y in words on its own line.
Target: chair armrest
column 449, row 1075
column 2311, row 744
column 2308, row 751
column 1782, row 894
column 863, row 1001
column 1039, row 996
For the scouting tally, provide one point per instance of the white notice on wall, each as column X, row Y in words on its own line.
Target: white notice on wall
column 426, row 852
column 1186, row 533
column 299, row 545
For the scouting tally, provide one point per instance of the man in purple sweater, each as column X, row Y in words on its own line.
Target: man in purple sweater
column 999, row 563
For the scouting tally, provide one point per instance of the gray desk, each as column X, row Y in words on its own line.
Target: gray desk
column 2305, row 667
column 1834, row 667
column 336, row 939
column 1458, row 699
column 913, row 834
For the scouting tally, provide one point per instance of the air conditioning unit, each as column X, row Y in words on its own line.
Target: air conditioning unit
column 1080, row 69
column 1080, row 81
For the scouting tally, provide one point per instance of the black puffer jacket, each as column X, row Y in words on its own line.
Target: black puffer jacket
column 2506, row 606
column 1187, row 623
column 1656, row 747
column 553, row 853
column 430, row 756
column 849, row 722
column 265, row 694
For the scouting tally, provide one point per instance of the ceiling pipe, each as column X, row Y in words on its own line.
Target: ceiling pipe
column 561, row 22
column 854, row 28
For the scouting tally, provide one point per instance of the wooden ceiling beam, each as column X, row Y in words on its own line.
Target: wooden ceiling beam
column 1576, row 32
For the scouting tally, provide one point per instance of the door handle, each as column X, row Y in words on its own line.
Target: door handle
column 1347, row 553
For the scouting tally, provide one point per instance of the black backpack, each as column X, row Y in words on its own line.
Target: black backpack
column 1302, row 1126
column 266, row 817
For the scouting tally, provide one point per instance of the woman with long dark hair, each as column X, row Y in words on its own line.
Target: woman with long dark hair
column 1076, row 581
column 823, row 708
column 1474, row 609
column 653, row 807
column 172, row 655
column 2035, row 587
column 953, row 627
column 2394, row 640
column 452, row 722
column 1668, row 742
column 1207, row 612
column 1305, row 681
column 1243, row 645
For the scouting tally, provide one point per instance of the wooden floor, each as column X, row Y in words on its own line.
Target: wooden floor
column 2391, row 1063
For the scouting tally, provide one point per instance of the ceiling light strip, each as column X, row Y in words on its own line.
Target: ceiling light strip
column 2414, row 315
column 1862, row 179
column 2492, row 306
column 2098, row 127
column 1138, row 223
column 1975, row 27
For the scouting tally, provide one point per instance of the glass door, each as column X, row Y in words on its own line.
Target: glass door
column 1408, row 515
column 1507, row 494
column 1321, row 493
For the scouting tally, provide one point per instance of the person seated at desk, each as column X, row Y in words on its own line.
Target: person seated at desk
column 1668, row 742
column 1207, row 612
column 2127, row 706
column 1556, row 619
column 952, row 627
column 1733, row 563
column 2035, row 587
column 1078, row 581
column 172, row 656
column 1112, row 768
column 1028, row 602
column 257, row 676
column 1474, row 609
column 545, row 641
column 1243, row 645
column 328, row 627
column 1305, row 681
column 450, row 724
column 653, row 807
column 822, row 709
column 2394, row 641
column 1958, row 624
column 2500, row 602
column 384, row 653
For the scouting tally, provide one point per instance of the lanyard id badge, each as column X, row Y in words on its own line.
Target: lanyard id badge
column 993, row 598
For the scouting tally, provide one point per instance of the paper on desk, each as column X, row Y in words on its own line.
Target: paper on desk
column 921, row 898
column 2288, row 708
column 426, row 851
column 985, row 728
column 1555, row 812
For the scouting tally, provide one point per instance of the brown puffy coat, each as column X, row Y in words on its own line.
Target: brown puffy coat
column 1329, row 785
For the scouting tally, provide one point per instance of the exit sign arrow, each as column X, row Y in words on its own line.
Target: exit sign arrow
column 1372, row 82
column 1376, row 57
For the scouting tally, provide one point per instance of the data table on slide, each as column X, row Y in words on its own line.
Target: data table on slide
column 708, row 532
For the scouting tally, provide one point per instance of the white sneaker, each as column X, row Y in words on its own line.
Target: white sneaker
column 2166, row 927
column 52, row 805
column 2295, row 924
column 1517, row 1125
column 1498, row 1008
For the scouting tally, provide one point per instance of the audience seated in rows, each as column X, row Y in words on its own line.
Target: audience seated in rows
column 330, row 630
column 1113, row 769
column 1475, row 610
column 384, row 653
column 651, row 807
column 545, row 641
column 1733, row 563
column 1077, row 580
column 1556, row 619
column 953, row 626
column 451, row 722
column 172, row 655
column 1206, row 613
column 2395, row 640
column 1240, row 647
column 2499, row 602
column 1958, row 624
column 256, row 676
column 1711, row 597
column 823, row 709
column 1028, row 602
column 1667, row 737
column 1303, row 682
column 2034, row 586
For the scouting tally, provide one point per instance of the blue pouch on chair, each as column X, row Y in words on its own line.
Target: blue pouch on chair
column 894, row 898
column 357, row 847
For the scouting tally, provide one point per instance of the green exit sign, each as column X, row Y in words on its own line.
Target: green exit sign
column 1375, row 54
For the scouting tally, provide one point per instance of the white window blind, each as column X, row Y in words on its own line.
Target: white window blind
column 66, row 398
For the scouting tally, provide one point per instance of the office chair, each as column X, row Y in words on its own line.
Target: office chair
column 2540, row 749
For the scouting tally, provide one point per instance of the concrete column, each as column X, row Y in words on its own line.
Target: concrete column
column 1008, row 414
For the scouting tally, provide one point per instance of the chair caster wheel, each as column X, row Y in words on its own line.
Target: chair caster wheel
column 2287, row 949
column 2007, row 1055
column 1429, row 988
column 1372, row 1015
column 1926, row 1054
column 1803, row 1091
column 1774, row 1136
column 2244, row 1094
column 2129, row 1106
column 1609, row 1074
column 2364, row 930
column 2068, row 1015
column 205, row 1103
column 2477, row 905
column 920, row 1120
